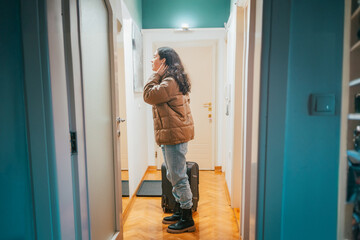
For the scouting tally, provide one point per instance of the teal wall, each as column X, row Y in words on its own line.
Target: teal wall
column 16, row 201
column 299, row 153
column 135, row 9
column 312, row 142
column 172, row 13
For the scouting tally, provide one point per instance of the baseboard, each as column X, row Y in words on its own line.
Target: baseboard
column 117, row 236
column 126, row 211
column 151, row 168
column 236, row 211
column 227, row 194
column 237, row 217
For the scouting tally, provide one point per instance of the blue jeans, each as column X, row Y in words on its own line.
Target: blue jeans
column 175, row 162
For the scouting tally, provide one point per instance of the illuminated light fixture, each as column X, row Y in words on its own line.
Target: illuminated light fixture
column 185, row 26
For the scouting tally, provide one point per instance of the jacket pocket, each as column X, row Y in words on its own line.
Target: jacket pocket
column 178, row 110
column 157, row 119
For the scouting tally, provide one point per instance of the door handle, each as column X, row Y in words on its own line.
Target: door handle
column 206, row 105
column 120, row 120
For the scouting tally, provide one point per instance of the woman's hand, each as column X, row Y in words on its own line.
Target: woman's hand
column 162, row 69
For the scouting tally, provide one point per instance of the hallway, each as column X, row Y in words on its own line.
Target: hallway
column 283, row 115
column 214, row 219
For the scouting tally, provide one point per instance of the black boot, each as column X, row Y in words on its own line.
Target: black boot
column 175, row 217
column 186, row 223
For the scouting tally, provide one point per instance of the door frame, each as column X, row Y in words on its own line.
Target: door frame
column 72, row 50
column 344, row 210
column 250, row 141
column 60, row 116
column 255, row 50
column 266, row 66
column 239, row 18
column 215, row 37
column 70, row 221
column 114, row 17
column 39, row 117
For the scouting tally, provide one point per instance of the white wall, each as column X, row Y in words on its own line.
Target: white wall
column 136, row 114
column 152, row 36
column 229, row 91
column 122, row 102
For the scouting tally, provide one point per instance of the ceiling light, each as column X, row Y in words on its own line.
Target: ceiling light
column 185, row 26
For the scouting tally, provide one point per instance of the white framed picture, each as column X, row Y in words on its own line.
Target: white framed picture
column 137, row 51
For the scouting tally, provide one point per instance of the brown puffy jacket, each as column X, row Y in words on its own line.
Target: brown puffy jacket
column 173, row 122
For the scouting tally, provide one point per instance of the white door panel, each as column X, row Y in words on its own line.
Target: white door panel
column 199, row 63
column 98, row 117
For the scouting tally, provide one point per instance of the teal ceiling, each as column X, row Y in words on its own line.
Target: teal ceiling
column 173, row 13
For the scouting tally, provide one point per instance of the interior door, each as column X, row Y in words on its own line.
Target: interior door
column 199, row 62
column 95, row 50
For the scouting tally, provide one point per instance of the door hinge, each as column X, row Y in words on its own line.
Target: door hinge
column 73, row 143
column 155, row 154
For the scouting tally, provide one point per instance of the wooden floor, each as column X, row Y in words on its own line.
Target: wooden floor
column 215, row 219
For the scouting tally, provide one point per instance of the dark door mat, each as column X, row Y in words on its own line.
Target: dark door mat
column 150, row 188
column 125, row 188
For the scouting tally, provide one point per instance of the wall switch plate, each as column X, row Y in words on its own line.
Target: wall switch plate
column 322, row 104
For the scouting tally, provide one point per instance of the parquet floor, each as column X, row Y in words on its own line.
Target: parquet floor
column 214, row 220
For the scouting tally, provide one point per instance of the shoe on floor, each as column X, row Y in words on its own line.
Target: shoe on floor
column 175, row 217
column 185, row 224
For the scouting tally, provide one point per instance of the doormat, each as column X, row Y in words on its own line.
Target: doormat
column 150, row 188
column 125, row 188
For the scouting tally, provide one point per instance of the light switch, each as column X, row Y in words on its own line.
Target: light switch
column 322, row 104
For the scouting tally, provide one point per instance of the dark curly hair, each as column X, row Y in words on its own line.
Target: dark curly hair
column 175, row 68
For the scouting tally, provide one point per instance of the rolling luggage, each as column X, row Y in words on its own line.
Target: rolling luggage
column 167, row 199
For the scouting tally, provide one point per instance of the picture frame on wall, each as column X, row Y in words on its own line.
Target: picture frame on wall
column 137, row 51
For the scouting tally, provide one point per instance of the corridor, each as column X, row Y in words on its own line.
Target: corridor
column 275, row 89
column 215, row 219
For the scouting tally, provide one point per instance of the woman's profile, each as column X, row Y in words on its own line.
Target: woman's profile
column 168, row 92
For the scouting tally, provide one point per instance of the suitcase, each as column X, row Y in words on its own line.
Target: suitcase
column 167, row 198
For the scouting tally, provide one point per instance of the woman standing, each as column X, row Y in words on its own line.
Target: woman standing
column 168, row 92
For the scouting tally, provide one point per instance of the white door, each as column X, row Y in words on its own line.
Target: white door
column 198, row 59
column 94, row 34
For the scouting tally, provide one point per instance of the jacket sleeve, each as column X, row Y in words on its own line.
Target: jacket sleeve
column 157, row 93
